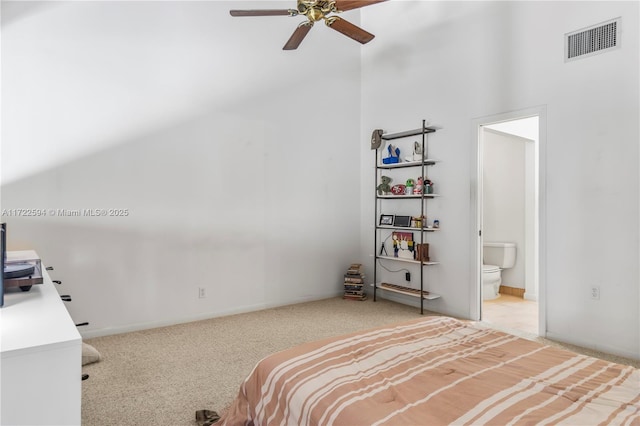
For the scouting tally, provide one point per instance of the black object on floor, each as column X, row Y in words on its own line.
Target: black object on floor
column 206, row 417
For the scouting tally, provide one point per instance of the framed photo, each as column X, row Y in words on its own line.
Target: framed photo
column 403, row 221
column 386, row 219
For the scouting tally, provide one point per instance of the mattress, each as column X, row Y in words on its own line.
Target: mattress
column 433, row 371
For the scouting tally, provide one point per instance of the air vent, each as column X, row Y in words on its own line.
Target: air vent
column 593, row 40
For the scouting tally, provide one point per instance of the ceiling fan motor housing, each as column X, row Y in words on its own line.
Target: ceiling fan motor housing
column 315, row 10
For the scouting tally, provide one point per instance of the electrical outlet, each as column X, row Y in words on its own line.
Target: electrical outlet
column 595, row 293
column 201, row 293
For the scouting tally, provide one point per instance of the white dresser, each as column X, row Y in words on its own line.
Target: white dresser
column 41, row 356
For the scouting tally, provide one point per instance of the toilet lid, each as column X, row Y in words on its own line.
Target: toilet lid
column 490, row 268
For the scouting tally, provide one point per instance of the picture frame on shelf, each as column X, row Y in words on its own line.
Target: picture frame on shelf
column 386, row 219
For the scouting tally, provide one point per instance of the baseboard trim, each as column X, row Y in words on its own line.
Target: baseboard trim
column 108, row 331
column 512, row 291
column 593, row 346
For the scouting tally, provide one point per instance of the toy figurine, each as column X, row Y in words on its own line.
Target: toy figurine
column 409, row 186
column 428, row 186
column 419, row 186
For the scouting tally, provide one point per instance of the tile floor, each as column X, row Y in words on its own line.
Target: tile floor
column 511, row 312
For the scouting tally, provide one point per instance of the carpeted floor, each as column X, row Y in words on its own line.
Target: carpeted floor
column 162, row 376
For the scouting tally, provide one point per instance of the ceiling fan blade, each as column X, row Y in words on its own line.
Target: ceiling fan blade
column 348, row 29
column 264, row 12
column 298, row 35
column 343, row 5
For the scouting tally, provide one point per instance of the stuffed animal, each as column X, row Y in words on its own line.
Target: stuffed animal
column 384, row 187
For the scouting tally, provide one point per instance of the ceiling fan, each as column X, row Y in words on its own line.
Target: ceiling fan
column 316, row 10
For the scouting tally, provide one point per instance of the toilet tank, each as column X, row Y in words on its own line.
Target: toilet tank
column 503, row 255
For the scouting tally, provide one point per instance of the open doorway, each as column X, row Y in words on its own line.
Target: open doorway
column 508, row 222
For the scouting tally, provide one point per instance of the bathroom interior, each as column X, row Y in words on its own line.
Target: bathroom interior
column 510, row 224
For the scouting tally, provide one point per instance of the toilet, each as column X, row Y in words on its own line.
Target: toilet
column 496, row 257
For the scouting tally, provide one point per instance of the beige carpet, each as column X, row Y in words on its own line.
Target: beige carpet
column 162, row 376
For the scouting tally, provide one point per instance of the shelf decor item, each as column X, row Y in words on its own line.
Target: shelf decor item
column 428, row 186
column 409, row 186
column 376, row 138
column 398, row 189
column 384, row 187
column 419, row 186
column 416, row 222
column 417, row 151
column 422, row 252
column 403, row 245
column 394, row 155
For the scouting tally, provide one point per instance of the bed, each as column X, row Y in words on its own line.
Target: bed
column 432, row 371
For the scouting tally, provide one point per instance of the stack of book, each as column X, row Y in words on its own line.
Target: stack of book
column 354, row 283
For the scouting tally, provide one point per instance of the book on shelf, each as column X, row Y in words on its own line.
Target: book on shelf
column 353, row 279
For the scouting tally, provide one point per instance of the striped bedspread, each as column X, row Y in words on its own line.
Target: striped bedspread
column 434, row 371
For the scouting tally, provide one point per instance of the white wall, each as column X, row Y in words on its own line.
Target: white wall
column 236, row 160
column 503, row 194
column 453, row 62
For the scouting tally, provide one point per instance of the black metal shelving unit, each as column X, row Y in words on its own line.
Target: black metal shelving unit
column 379, row 199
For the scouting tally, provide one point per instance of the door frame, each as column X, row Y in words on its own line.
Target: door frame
column 475, row 239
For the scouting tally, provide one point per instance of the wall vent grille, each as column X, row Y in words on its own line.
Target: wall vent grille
column 593, row 40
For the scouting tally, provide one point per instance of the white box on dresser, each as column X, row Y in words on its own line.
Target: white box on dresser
column 41, row 358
